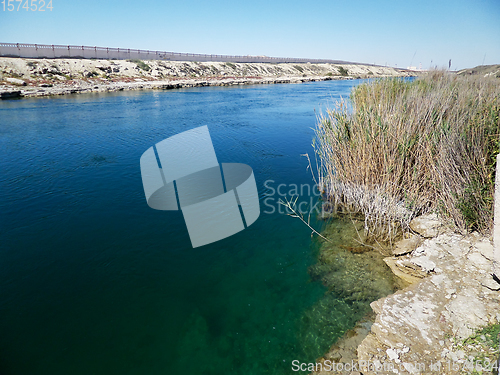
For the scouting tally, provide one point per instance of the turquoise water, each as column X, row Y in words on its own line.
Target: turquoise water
column 93, row 281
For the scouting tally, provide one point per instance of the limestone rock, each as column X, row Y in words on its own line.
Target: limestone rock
column 345, row 349
column 16, row 81
column 407, row 245
column 404, row 269
column 451, row 302
column 427, row 226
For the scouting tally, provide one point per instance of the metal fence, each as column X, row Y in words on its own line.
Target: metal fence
column 39, row 51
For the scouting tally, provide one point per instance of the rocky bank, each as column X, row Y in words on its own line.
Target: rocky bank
column 41, row 77
column 423, row 328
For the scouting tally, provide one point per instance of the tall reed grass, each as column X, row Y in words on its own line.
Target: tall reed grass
column 399, row 149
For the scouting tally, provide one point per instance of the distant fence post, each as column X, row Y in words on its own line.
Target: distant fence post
column 496, row 221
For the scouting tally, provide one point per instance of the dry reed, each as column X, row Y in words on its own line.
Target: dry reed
column 399, row 149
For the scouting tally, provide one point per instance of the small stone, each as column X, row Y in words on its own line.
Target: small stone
column 407, row 245
column 438, row 279
column 425, row 263
column 485, row 248
column 392, row 354
column 427, row 226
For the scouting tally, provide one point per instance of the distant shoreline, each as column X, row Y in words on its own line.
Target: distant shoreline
column 23, row 77
column 98, row 87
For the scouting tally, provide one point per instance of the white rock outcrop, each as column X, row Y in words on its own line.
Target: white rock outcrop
column 457, row 296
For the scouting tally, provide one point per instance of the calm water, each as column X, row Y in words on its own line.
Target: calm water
column 93, row 281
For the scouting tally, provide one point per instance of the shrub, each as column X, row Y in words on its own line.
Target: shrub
column 343, row 71
column 299, row 68
column 141, row 64
column 407, row 148
column 91, row 74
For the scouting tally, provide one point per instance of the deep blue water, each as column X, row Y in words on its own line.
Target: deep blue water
column 93, row 281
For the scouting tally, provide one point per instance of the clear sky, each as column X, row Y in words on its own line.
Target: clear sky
column 382, row 32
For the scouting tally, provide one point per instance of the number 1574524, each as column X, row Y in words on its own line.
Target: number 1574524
column 26, row 5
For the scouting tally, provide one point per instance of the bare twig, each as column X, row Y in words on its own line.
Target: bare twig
column 291, row 206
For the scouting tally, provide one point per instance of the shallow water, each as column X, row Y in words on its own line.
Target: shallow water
column 93, row 281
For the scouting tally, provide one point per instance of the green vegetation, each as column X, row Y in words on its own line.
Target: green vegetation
column 329, row 74
column 141, row 65
column 299, row 68
column 407, row 148
column 343, row 71
column 231, row 65
column 488, row 335
column 482, row 349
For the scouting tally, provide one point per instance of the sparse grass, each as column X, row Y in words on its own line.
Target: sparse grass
column 488, row 335
column 329, row 74
column 141, row 65
column 407, row 148
column 231, row 65
column 481, row 349
column 13, row 74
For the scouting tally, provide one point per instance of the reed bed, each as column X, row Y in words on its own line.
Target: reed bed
column 398, row 149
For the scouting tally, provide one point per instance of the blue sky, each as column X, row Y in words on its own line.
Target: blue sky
column 382, row 32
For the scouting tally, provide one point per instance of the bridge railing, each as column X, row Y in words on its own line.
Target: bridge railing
column 37, row 51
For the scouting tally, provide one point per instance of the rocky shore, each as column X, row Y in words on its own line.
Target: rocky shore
column 20, row 77
column 426, row 327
